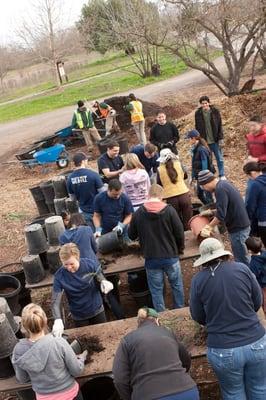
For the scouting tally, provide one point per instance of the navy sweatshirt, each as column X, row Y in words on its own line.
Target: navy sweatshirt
column 258, row 267
column 226, row 303
column 256, row 202
column 230, row 207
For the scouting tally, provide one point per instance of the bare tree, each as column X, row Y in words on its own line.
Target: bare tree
column 42, row 32
column 5, row 64
column 196, row 27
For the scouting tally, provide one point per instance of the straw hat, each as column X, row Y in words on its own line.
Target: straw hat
column 210, row 249
column 165, row 155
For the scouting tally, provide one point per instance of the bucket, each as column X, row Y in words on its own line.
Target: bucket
column 101, row 388
column 33, row 269
column 6, row 368
column 60, row 205
column 142, row 299
column 196, row 208
column 60, row 188
column 35, row 239
column 8, row 339
column 197, row 223
column 9, row 289
column 72, row 206
column 109, row 242
column 54, row 228
column 53, row 258
column 5, row 309
column 137, row 281
column 47, row 189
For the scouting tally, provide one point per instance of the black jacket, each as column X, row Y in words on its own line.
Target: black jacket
column 216, row 123
column 161, row 234
column 151, row 363
column 199, row 154
column 164, row 136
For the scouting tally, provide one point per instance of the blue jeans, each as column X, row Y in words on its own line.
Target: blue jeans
column 216, row 150
column 155, row 277
column 192, row 394
column 88, row 219
column 241, row 371
column 239, row 248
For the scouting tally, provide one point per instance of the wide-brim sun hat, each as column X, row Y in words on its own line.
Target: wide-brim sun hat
column 165, row 155
column 210, row 249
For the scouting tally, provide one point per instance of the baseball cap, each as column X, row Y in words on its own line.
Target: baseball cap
column 192, row 134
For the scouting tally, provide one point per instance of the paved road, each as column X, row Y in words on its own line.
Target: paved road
column 16, row 134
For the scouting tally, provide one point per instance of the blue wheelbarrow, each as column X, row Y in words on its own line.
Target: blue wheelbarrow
column 49, row 155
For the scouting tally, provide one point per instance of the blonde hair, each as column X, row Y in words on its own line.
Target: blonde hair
column 156, row 191
column 143, row 315
column 33, row 319
column 68, row 250
column 132, row 162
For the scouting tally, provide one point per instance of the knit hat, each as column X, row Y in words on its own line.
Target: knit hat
column 151, row 312
column 80, row 103
column 165, row 155
column 78, row 158
column 205, row 177
column 210, row 249
column 192, row 134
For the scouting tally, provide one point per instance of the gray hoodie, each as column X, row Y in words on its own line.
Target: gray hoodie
column 49, row 364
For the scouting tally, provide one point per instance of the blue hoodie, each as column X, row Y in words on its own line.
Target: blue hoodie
column 258, row 267
column 83, row 237
column 256, row 202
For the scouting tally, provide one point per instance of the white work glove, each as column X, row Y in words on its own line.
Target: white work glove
column 207, row 213
column 206, row 231
column 119, row 228
column 106, row 286
column 83, row 355
column 58, row 328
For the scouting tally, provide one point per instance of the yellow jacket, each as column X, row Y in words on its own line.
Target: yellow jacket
column 172, row 189
column 136, row 112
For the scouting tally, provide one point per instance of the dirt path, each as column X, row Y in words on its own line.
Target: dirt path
column 17, row 134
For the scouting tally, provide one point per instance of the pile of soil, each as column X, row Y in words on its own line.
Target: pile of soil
column 189, row 332
column 90, row 343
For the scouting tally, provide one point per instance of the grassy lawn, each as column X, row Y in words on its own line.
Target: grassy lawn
column 116, row 81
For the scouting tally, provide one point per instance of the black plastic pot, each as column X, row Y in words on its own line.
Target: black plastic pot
column 51, row 208
column 8, row 339
column 54, row 228
column 142, row 299
column 72, row 206
column 44, row 260
column 53, row 258
column 60, row 205
column 36, row 193
column 42, row 207
column 33, row 269
column 5, row 309
column 24, row 294
column 137, row 281
column 6, row 368
column 40, row 220
column 196, row 208
column 101, row 388
column 27, row 394
column 35, row 239
column 109, row 242
column 9, row 289
column 60, row 188
column 76, row 346
column 48, row 191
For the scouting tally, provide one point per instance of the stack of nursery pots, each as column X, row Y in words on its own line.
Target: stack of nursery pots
column 61, row 201
column 8, row 341
column 15, row 269
column 43, row 250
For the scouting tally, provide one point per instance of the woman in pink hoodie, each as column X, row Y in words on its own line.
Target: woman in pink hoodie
column 135, row 180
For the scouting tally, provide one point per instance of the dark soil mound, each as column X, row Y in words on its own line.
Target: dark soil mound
column 90, row 343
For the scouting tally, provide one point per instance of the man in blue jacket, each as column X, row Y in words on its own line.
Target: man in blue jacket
column 256, row 201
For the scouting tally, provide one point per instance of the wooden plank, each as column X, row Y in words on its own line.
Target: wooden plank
column 109, row 335
column 128, row 263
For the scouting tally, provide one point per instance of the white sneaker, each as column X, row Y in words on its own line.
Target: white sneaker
column 223, row 178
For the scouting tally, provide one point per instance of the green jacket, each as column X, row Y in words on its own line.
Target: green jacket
column 82, row 119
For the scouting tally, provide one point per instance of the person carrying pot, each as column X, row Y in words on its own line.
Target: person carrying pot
column 107, row 113
column 112, row 210
column 80, row 279
column 225, row 296
column 48, row 362
column 82, row 235
column 151, row 363
column 135, row 108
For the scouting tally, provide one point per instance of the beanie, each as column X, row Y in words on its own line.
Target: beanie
column 205, row 177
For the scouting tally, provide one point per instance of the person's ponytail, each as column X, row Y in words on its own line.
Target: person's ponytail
column 171, row 171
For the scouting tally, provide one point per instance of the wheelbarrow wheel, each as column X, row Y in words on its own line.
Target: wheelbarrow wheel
column 62, row 162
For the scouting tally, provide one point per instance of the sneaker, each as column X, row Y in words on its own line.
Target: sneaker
column 222, row 178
